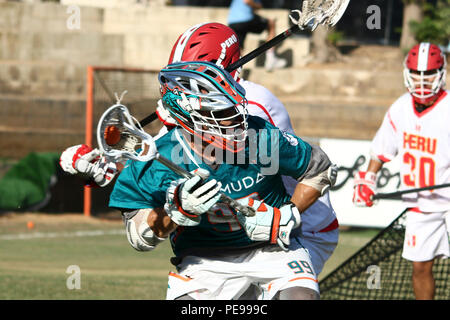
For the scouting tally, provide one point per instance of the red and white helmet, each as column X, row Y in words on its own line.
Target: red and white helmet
column 213, row 42
column 424, row 72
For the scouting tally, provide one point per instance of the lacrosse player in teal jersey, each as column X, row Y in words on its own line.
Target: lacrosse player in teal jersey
column 219, row 252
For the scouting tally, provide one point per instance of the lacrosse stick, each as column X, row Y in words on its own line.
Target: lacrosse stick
column 399, row 193
column 313, row 13
column 120, row 137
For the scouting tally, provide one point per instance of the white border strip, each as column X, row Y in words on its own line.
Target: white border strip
column 422, row 62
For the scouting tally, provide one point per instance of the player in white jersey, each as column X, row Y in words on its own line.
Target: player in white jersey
column 319, row 230
column 415, row 128
column 218, row 43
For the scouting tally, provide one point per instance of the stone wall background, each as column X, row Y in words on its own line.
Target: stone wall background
column 43, row 67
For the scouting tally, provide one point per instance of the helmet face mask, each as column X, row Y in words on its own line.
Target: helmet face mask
column 206, row 102
column 229, row 124
column 424, row 72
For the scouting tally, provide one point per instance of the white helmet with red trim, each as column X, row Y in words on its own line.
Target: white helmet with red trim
column 213, row 42
column 424, row 72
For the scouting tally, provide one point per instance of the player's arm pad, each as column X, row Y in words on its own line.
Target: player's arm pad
column 139, row 234
column 320, row 174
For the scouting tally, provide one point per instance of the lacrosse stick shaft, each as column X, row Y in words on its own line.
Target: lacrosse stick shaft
column 172, row 166
column 263, row 48
column 334, row 15
column 338, row 12
column 399, row 193
column 148, row 119
column 185, row 174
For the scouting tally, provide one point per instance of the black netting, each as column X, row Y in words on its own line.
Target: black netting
column 378, row 271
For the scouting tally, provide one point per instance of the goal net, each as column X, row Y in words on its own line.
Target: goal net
column 142, row 94
column 378, row 271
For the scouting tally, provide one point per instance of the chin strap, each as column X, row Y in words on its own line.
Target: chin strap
column 420, row 107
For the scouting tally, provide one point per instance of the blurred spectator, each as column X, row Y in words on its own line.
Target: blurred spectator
column 243, row 19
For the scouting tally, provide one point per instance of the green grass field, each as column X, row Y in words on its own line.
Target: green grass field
column 33, row 262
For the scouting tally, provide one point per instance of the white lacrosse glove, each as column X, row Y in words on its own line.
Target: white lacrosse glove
column 164, row 115
column 364, row 187
column 139, row 234
column 82, row 159
column 270, row 223
column 187, row 199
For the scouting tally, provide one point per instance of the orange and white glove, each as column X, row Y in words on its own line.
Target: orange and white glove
column 82, row 159
column 364, row 187
column 270, row 223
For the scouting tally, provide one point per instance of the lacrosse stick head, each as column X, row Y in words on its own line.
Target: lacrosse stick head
column 121, row 137
column 315, row 12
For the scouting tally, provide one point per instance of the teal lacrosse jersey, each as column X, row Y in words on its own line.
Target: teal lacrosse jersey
column 254, row 172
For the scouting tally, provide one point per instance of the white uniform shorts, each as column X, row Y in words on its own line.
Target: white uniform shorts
column 259, row 273
column 426, row 236
column 320, row 246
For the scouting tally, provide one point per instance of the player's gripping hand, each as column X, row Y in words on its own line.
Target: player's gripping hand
column 270, row 223
column 82, row 159
column 364, row 187
column 187, row 199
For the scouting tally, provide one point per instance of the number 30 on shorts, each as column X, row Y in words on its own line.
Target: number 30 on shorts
column 300, row 266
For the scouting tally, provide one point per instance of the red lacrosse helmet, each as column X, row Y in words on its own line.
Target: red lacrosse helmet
column 213, row 42
column 424, row 72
